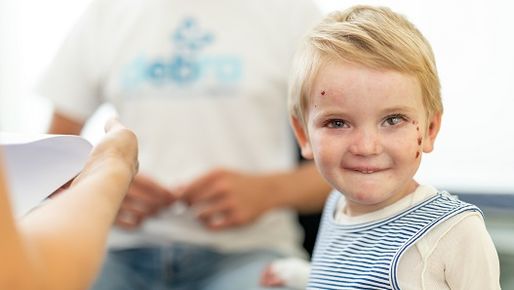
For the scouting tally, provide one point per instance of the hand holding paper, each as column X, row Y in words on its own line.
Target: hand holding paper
column 38, row 249
column 37, row 165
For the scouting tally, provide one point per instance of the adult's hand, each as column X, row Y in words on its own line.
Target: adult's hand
column 144, row 199
column 72, row 229
column 224, row 198
column 118, row 148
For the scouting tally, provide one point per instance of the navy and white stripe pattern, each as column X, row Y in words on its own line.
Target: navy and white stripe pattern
column 366, row 256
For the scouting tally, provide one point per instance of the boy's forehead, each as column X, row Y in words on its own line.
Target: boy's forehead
column 349, row 75
column 345, row 83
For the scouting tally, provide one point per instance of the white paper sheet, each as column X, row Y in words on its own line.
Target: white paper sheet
column 38, row 165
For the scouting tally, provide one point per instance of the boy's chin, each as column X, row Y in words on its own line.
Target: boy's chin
column 373, row 197
column 363, row 190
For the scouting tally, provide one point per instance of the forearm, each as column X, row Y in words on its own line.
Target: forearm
column 15, row 269
column 71, row 229
column 62, row 124
column 302, row 189
column 57, row 242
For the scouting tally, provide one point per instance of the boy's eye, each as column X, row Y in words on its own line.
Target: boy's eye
column 336, row 123
column 394, row 120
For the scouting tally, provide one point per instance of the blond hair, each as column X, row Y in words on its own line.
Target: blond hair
column 375, row 37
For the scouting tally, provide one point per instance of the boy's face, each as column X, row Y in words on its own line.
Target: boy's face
column 366, row 130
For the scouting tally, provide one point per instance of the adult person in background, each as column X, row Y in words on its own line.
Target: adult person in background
column 203, row 84
column 71, row 230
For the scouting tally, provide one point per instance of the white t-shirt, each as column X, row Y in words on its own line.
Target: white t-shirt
column 203, row 84
column 428, row 264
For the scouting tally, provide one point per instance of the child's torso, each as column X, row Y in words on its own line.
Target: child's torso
column 366, row 252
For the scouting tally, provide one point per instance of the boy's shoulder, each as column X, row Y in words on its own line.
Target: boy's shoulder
column 456, row 229
column 463, row 221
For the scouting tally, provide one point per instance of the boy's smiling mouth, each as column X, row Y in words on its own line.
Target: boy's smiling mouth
column 365, row 169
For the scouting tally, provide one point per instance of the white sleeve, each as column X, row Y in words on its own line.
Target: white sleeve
column 72, row 81
column 472, row 261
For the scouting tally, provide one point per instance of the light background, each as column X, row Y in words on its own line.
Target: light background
column 472, row 40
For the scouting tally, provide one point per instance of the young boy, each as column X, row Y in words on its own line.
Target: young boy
column 365, row 105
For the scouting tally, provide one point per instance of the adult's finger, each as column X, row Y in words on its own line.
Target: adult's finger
column 207, row 187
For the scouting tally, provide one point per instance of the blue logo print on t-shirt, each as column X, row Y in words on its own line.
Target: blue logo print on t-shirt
column 188, row 63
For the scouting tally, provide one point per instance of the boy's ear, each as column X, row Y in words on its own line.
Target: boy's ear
column 433, row 129
column 301, row 136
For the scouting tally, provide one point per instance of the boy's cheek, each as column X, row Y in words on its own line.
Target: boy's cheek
column 324, row 153
column 317, row 145
column 415, row 147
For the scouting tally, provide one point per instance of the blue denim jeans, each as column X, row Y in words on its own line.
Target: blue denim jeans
column 182, row 267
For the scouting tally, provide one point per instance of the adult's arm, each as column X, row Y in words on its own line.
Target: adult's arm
column 62, row 124
column 60, row 245
column 145, row 196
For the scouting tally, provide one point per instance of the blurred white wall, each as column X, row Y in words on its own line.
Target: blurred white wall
column 30, row 33
column 472, row 41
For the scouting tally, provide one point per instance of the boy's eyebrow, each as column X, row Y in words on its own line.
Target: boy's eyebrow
column 397, row 109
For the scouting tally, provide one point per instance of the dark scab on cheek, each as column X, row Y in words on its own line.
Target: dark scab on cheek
column 417, row 155
column 419, row 140
column 322, row 93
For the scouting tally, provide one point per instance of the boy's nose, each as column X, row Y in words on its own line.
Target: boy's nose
column 366, row 142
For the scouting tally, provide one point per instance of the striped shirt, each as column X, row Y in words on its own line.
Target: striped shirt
column 366, row 255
